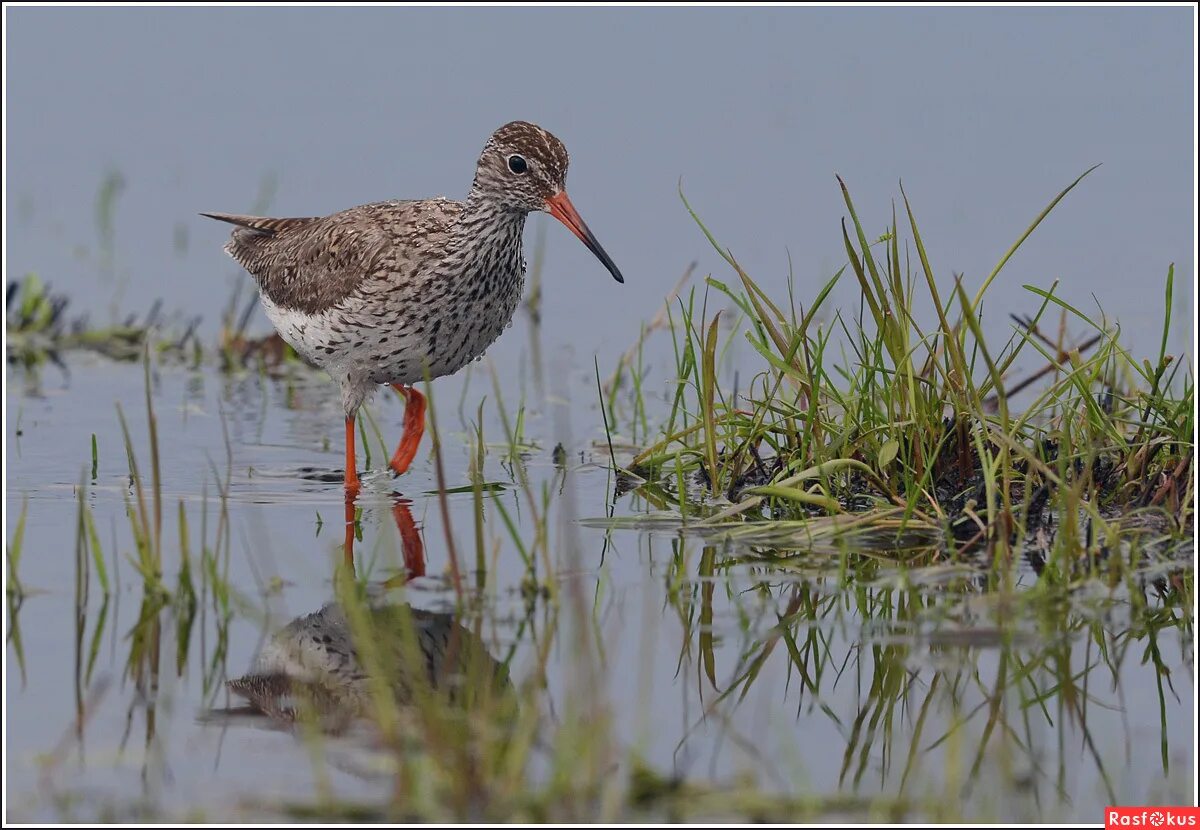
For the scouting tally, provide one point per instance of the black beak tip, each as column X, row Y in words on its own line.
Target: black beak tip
column 617, row 276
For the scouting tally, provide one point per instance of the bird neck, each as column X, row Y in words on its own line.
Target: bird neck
column 485, row 232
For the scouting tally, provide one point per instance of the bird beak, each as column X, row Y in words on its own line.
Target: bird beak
column 560, row 207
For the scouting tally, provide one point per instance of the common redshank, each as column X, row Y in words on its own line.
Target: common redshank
column 394, row 292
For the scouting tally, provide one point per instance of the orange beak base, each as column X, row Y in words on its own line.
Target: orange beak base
column 560, row 207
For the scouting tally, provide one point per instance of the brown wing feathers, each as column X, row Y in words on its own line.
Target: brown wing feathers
column 306, row 264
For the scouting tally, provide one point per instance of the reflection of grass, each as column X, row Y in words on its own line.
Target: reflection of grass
column 14, row 592
column 934, row 686
column 13, row 554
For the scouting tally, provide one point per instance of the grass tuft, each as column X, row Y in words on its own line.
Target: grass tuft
column 927, row 418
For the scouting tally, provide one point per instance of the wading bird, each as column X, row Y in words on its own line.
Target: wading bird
column 397, row 292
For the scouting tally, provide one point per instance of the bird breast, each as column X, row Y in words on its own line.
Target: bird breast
column 406, row 315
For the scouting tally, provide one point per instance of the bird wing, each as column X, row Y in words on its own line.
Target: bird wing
column 311, row 264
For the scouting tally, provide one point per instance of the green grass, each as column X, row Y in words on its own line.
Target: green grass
column 918, row 418
column 40, row 331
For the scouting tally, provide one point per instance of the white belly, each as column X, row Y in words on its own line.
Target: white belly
column 384, row 353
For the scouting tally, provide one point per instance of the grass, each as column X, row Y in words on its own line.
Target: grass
column 40, row 331
column 921, row 418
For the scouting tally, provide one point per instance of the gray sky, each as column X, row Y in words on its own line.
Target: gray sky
column 984, row 113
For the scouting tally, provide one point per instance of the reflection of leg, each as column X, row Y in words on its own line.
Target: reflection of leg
column 414, row 428
column 410, row 540
column 348, row 545
column 351, row 475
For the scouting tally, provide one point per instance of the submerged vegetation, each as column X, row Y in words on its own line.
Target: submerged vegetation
column 40, row 330
column 946, row 571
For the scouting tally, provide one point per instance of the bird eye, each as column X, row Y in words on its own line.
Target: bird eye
column 517, row 164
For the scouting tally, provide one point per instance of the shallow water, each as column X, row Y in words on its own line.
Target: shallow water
column 883, row 667
column 889, row 690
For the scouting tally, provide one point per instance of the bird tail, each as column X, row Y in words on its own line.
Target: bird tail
column 261, row 225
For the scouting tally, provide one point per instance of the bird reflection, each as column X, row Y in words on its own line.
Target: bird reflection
column 314, row 669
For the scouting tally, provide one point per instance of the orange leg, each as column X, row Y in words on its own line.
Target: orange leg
column 410, row 540
column 348, row 545
column 351, row 475
column 414, row 428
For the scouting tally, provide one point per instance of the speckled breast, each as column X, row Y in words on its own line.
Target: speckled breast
column 385, row 337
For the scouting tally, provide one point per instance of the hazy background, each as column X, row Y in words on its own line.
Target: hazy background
column 984, row 113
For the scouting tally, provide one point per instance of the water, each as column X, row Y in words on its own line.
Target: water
column 677, row 622
column 896, row 692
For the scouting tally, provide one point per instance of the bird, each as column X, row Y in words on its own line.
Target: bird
column 397, row 292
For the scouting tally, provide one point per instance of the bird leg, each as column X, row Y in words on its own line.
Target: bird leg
column 410, row 540
column 351, row 475
column 351, row 485
column 414, row 428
